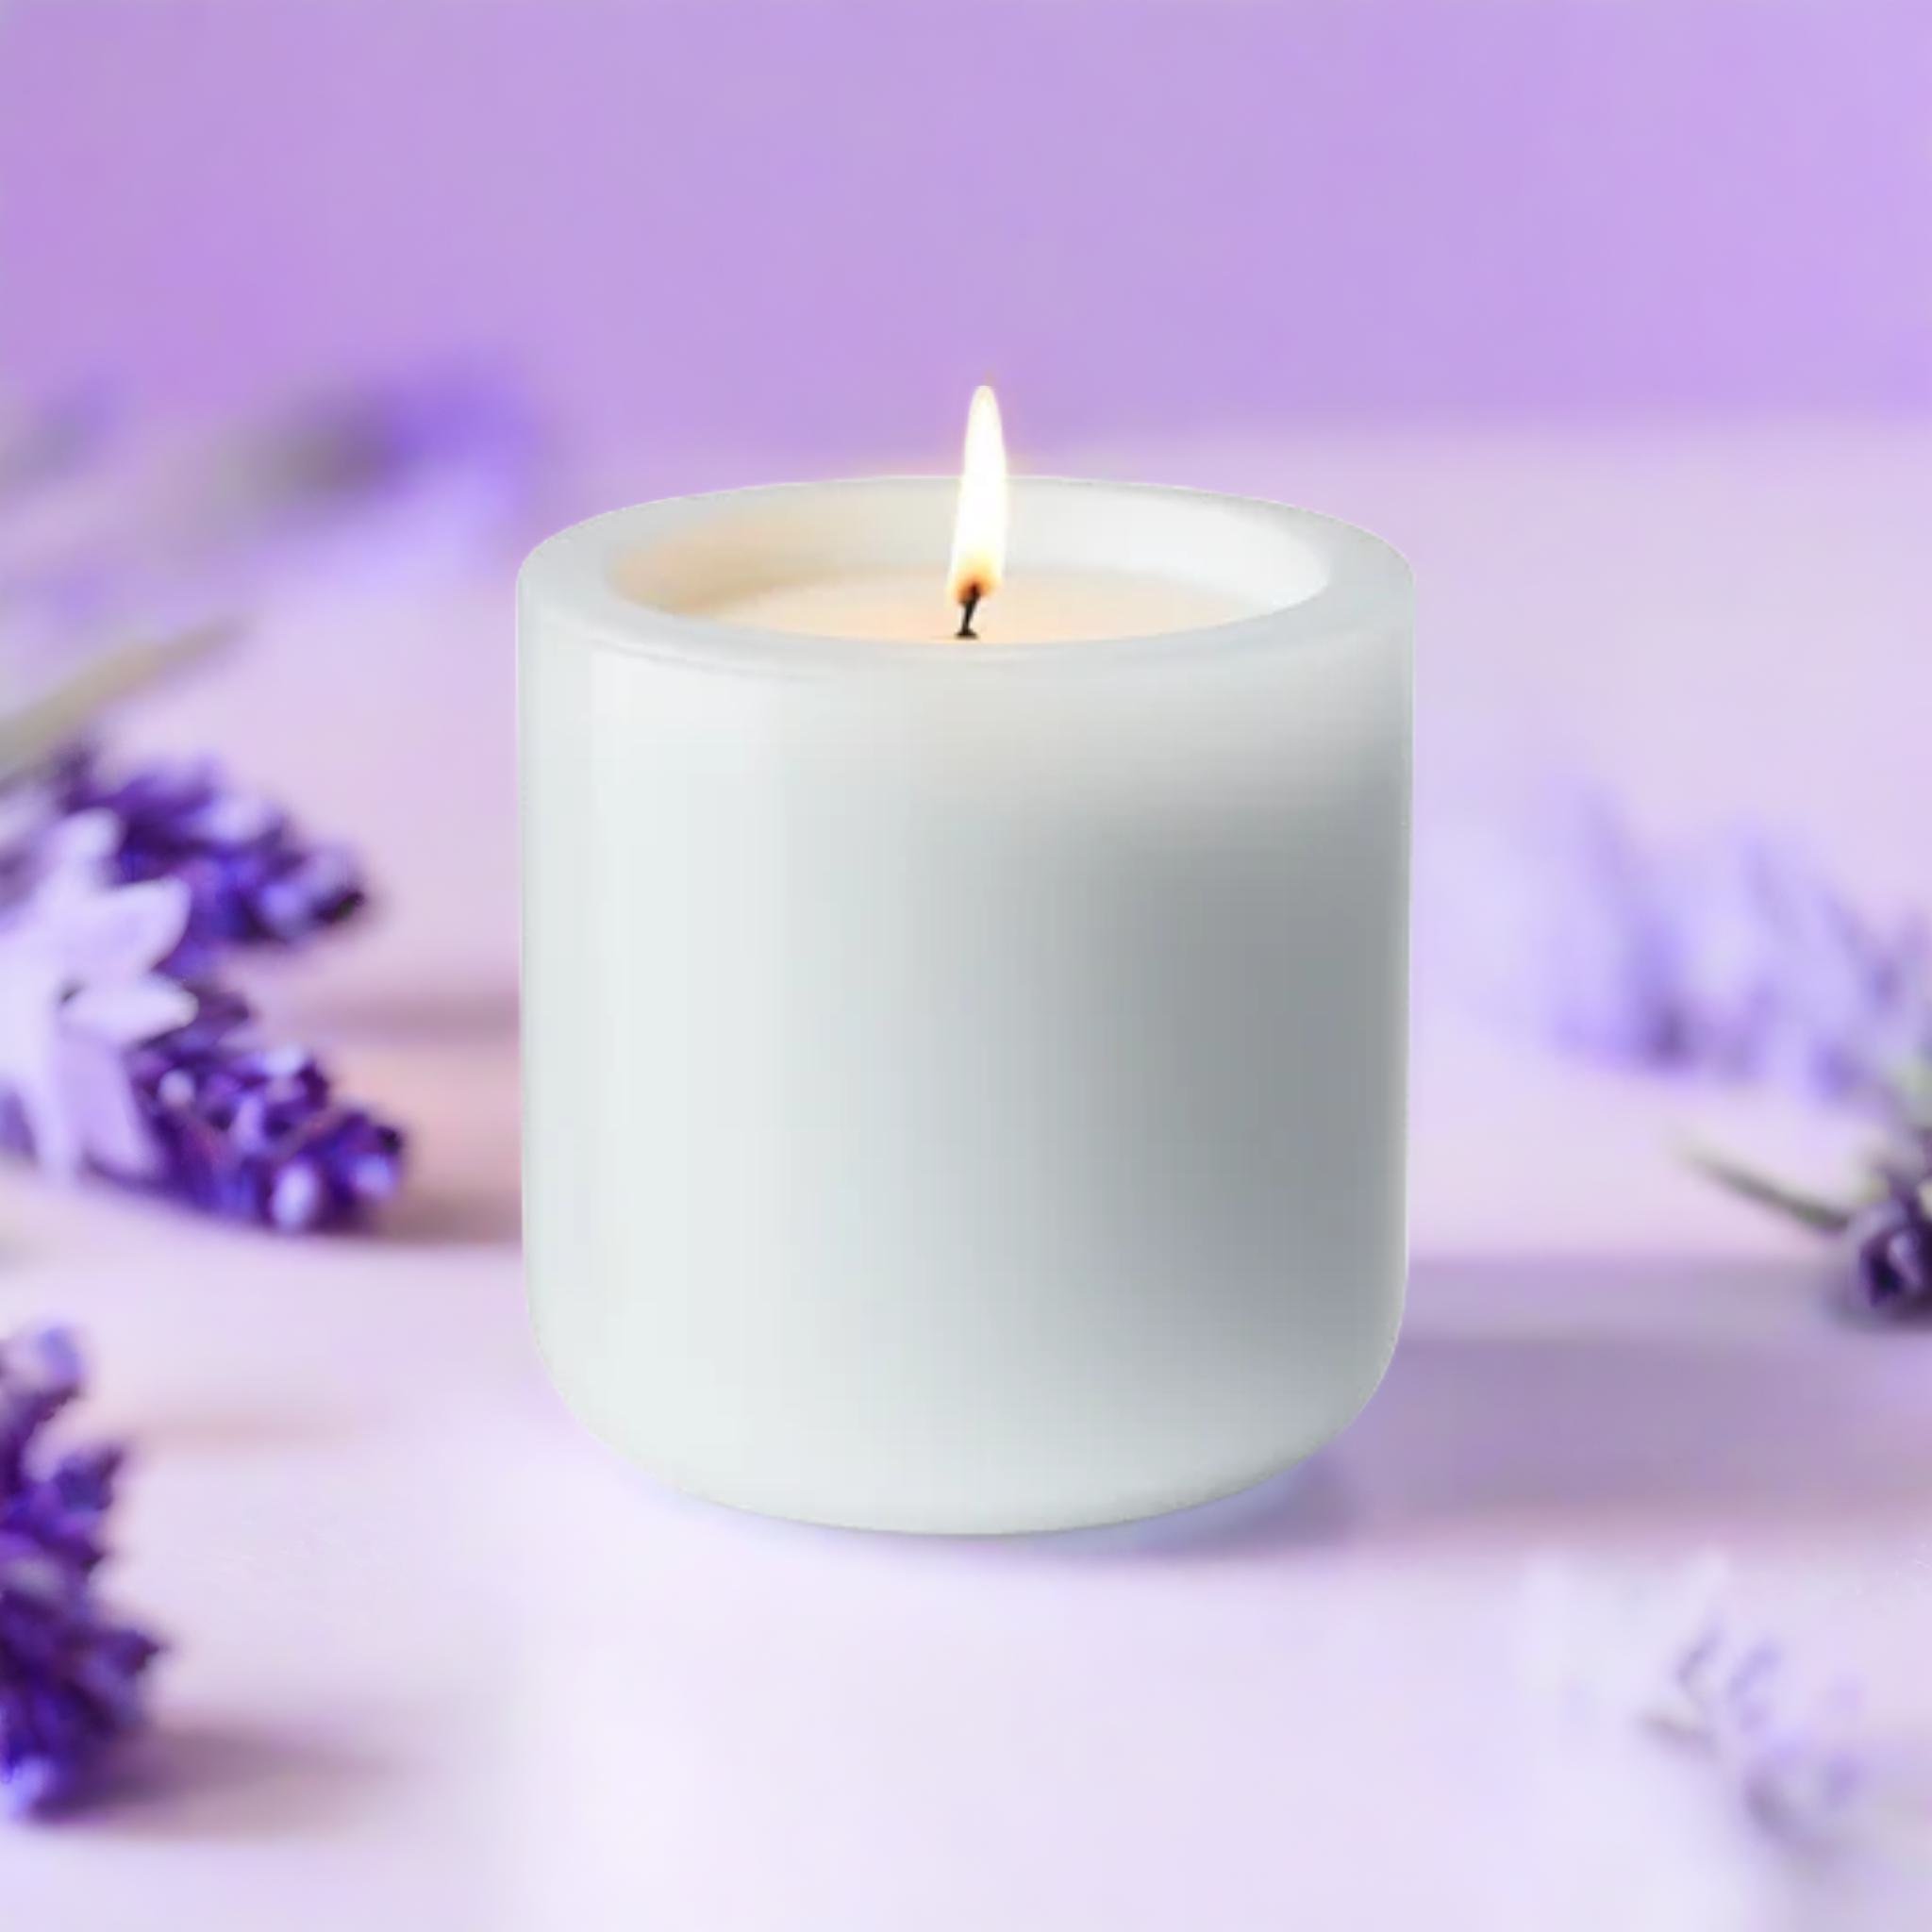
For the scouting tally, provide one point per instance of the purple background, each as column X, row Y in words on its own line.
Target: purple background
column 437, row 1664
column 759, row 227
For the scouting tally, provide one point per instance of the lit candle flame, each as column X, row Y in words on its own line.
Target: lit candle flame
column 979, row 532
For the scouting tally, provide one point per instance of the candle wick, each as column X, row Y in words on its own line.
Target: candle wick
column 968, row 604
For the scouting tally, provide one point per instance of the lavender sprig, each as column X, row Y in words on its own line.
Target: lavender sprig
column 71, row 1674
column 123, row 561
column 1734, row 956
column 243, row 1130
column 1780, row 975
column 1791, row 1746
column 253, row 877
column 1883, row 1227
column 434, row 462
column 112, row 1065
column 255, row 1133
column 430, row 468
column 1891, row 1243
column 1670, row 1655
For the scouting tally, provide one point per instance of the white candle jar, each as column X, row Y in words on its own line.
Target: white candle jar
column 964, row 1081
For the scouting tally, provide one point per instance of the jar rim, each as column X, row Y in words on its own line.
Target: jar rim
column 1313, row 578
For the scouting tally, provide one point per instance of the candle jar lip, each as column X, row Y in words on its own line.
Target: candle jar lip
column 634, row 578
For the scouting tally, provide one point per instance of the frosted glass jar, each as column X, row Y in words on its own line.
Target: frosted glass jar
column 964, row 1082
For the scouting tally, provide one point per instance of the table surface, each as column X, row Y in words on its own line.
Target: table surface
column 441, row 1662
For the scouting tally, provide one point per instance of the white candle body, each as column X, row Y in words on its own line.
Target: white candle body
column 965, row 1083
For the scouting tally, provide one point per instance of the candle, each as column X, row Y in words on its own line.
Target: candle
column 1045, row 606
column 964, row 1073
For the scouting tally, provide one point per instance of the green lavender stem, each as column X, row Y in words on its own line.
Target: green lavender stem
column 1810, row 1211
column 55, row 717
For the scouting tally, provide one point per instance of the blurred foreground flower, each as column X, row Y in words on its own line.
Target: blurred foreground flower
column 1790, row 1743
column 1883, row 1223
column 70, row 1673
column 1735, row 957
column 408, row 473
column 415, row 469
column 1891, row 1249
column 123, row 558
column 1673, row 1656
column 51, row 439
column 114, row 1064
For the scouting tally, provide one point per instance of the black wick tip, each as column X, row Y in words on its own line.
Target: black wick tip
column 968, row 604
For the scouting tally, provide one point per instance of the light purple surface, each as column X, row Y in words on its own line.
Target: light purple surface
column 445, row 1664
column 754, row 228
column 442, row 1663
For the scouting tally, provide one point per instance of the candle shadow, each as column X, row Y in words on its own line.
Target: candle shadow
column 1537, row 1403
column 1304, row 1507
column 1554, row 1398
column 1566, row 1430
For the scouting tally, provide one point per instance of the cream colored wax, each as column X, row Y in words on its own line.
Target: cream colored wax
column 1039, row 607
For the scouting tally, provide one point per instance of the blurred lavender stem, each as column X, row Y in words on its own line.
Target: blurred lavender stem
column 32, row 731
column 1810, row 1210
column 1883, row 1227
column 1670, row 1654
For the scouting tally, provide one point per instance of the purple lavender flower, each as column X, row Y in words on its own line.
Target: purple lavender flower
column 400, row 476
column 78, row 987
column 70, row 1673
column 253, row 877
column 1779, row 977
column 1791, row 1744
column 453, row 433
column 245, row 1131
column 110, row 1064
column 1544, row 917
column 1736, row 958
column 404, row 477
column 255, row 1133
column 1885, row 1228
column 436, row 453
column 1890, row 1242
column 1673, row 1656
